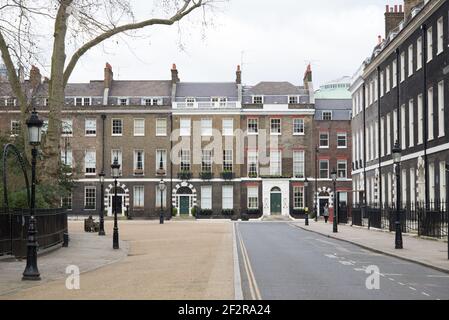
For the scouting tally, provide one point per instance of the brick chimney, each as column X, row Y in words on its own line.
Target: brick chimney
column 394, row 15
column 174, row 74
column 238, row 78
column 409, row 5
column 308, row 77
column 35, row 77
column 108, row 76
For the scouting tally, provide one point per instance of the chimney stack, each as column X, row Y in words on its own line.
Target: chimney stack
column 393, row 17
column 108, row 76
column 238, row 79
column 408, row 7
column 35, row 77
column 308, row 77
column 174, row 74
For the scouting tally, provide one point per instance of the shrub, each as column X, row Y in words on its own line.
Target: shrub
column 174, row 212
column 227, row 212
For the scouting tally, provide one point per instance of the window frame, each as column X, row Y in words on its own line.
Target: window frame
column 121, row 127
column 303, row 125
column 89, row 131
column 142, row 127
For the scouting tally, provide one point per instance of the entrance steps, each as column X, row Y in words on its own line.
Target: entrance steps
column 183, row 218
column 276, row 218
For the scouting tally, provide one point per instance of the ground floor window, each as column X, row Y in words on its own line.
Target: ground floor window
column 158, row 197
column 90, row 198
column 228, row 197
column 206, row 198
column 139, row 192
column 253, row 197
column 343, row 200
column 66, row 202
column 298, row 197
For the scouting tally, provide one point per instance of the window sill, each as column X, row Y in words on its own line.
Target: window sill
column 90, row 174
column 117, row 135
column 342, row 147
column 299, row 134
column 90, row 135
column 139, row 135
column 323, row 147
column 253, row 133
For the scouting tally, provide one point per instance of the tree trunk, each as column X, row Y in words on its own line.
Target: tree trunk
column 51, row 149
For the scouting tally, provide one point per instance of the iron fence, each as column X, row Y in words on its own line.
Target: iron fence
column 51, row 225
column 430, row 220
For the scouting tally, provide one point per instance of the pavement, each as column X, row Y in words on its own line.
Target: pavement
column 430, row 253
column 175, row 261
column 279, row 261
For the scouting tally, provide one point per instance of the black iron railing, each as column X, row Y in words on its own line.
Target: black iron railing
column 51, row 226
column 424, row 220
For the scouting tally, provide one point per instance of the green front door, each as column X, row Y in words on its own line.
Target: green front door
column 276, row 207
column 184, row 205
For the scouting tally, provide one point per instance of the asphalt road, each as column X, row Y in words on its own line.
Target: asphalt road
column 280, row 261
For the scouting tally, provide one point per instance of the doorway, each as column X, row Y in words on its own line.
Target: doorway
column 276, row 201
column 184, row 205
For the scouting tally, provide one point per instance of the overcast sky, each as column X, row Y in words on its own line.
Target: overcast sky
column 275, row 38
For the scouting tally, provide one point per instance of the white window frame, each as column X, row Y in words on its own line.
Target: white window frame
column 206, row 127
column 185, row 160
column 227, row 197
column 440, row 36
column 441, row 113
column 137, row 127
column 328, row 142
column 299, row 164
column 420, row 120
column 387, row 79
column 298, row 197
column 185, row 127
column 69, row 161
column 253, row 157
column 410, row 60
column 382, row 137
column 340, row 162
column 206, row 197
column 121, row 99
column 419, row 54
column 190, row 102
column 429, row 44
column 402, row 61
column 293, row 99
column 164, row 159
column 67, row 123
column 253, row 197
column 276, row 163
column 300, row 125
column 388, row 134
column 90, row 162
column 395, row 73
column 411, row 121
column 319, row 168
column 345, row 135
column 256, row 97
column 161, row 131
column 90, row 127
column 228, row 130
column 228, row 160
column 403, row 128
column 256, row 124
column 328, row 112
column 94, row 197
column 135, row 164
column 15, row 128
column 139, row 197
column 430, row 109
column 117, row 153
column 112, row 127
column 443, row 183
column 273, row 133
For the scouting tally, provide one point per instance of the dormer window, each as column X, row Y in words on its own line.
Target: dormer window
column 83, row 101
column 152, row 102
column 257, row 99
column 219, row 100
column 293, row 100
column 123, row 101
column 327, row 115
column 190, row 102
column 10, row 102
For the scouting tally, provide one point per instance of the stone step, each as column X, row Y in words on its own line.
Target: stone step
column 276, row 218
column 184, row 218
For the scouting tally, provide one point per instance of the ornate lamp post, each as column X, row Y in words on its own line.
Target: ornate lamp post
column 306, row 185
column 101, row 231
column 34, row 136
column 334, row 180
column 162, row 187
column 115, row 171
column 397, row 162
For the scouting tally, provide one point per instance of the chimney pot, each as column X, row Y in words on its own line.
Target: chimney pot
column 108, row 76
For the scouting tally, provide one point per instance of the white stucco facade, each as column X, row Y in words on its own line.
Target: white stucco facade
column 284, row 186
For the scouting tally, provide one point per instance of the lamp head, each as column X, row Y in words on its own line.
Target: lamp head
column 34, row 125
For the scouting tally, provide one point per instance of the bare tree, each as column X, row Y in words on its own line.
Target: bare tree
column 83, row 23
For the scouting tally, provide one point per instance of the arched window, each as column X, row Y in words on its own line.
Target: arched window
column 276, row 189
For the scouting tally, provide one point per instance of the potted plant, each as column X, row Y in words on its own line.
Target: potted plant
column 206, row 175
column 227, row 175
column 185, row 175
column 174, row 212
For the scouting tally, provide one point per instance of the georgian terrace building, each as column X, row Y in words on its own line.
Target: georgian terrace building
column 223, row 148
column 400, row 94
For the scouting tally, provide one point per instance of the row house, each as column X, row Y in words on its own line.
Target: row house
column 222, row 148
column 400, row 96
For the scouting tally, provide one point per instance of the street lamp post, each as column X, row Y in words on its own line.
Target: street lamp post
column 317, row 150
column 115, row 170
column 334, row 180
column 31, row 272
column 306, row 185
column 447, row 205
column 397, row 162
column 162, row 188
column 101, row 231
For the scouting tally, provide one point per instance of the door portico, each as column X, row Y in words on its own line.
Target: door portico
column 276, row 197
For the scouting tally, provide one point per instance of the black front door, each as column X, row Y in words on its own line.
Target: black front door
column 118, row 202
column 323, row 203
